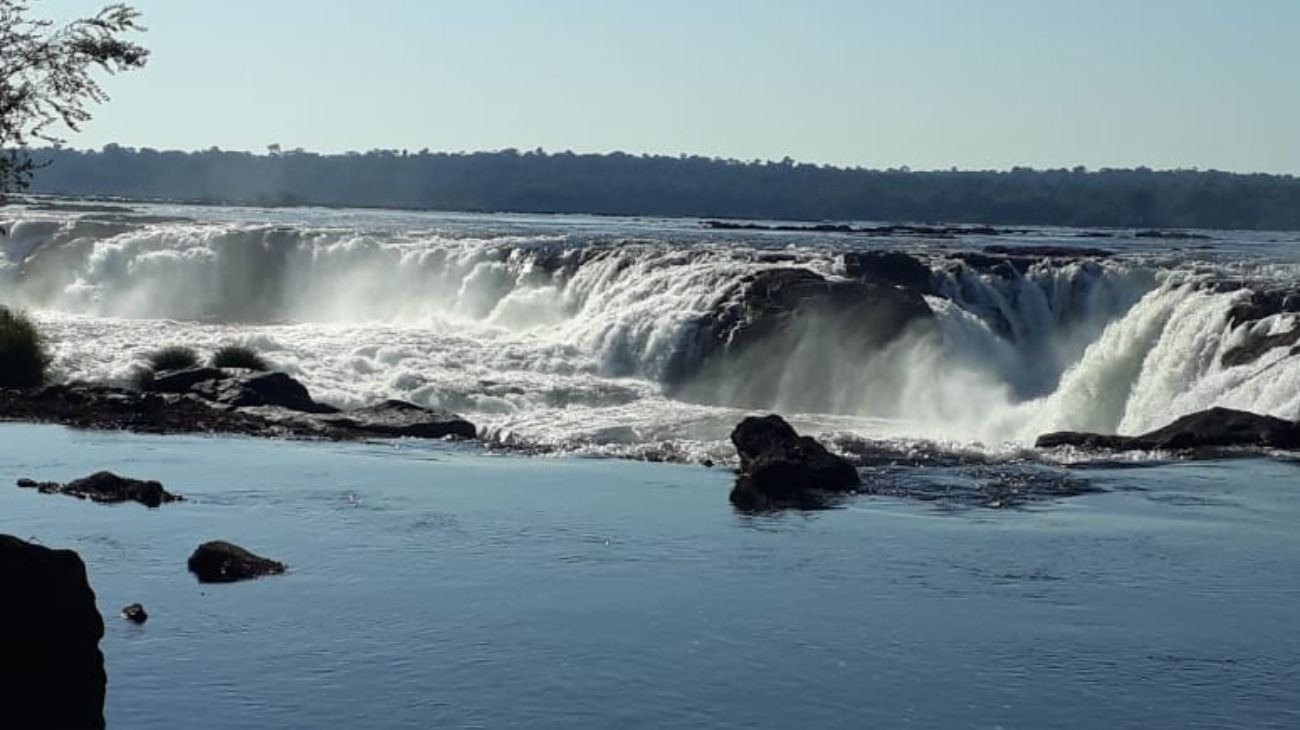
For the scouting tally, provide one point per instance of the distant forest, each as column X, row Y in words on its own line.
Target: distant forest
column 623, row 184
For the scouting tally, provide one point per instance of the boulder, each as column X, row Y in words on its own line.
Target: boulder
column 135, row 613
column 106, row 487
column 219, row 561
column 399, row 418
column 251, row 388
column 779, row 468
column 1217, row 427
column 51, row 669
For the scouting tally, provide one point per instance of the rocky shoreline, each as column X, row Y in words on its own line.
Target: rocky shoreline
column 225, row 401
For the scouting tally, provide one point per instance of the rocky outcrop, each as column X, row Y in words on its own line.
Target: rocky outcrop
column 84, row 405
column 773, row 313
column 1217, row 427
column 238, row 388
column 219, row 561
column 106, row 487
column 399, row 418
column 781, row 469
column 51, row 669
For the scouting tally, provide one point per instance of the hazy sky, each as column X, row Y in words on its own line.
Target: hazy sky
column 925, row 83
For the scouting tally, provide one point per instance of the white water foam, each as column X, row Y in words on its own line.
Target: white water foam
column 556, row 342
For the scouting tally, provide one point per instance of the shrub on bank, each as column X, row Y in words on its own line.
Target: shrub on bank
column 23, row 358
column 175, row 357
column 234, row 356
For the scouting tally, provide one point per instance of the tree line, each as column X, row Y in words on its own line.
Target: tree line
column 690, row 186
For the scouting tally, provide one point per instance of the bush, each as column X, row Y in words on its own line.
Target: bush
column 23, row 358
column 175, row 357
column 233, row 356
column 142, row 377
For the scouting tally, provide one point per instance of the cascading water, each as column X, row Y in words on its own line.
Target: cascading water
column 551, row 336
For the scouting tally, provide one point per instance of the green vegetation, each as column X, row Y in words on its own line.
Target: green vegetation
column 176, row 357
column 23, row 358
column 234, row 356
column 45, row 77
column 622, row 184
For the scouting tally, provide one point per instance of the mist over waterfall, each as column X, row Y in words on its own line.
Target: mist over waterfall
column 651, row 337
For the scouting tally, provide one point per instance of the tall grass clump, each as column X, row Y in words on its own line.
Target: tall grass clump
column 23, row 358
column 175, row 357
column 234, row 356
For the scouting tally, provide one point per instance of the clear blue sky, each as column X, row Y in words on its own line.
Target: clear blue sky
column 925, row 83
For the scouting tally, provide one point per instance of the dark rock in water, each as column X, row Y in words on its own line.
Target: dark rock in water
column 106, row 487
column 51, row 669
column 892, row 267
column 1256, row 347
column 135, row 613
column 780, row 469
column 1217, row 427
column 1259, row 304
column 259, row 389
column 221, row 562
column 399, row 418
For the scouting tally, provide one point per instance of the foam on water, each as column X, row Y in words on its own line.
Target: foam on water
column 558, row 339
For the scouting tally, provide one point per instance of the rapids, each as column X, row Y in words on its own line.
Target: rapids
column 575, row 334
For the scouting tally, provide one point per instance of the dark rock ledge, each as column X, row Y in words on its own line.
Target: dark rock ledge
column 1215, row 428
column 208, row 400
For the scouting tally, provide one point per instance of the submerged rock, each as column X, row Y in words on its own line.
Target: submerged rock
column 219, row 561
column 135, row 613
column 51, row 669
column 106, row 487
column 1217, row 427
column 779, row 468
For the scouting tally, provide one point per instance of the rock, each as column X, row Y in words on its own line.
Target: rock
column 891, row 267
column 1258, row 304
column 1256, row 347
column 399, row 418
column 106, row 487
column 253, row 388
column 51, row 669
column 745, row 344
column 1217, row 427
column 180, row 381
column 222, row 562
column 779, row 468
column 135, row 613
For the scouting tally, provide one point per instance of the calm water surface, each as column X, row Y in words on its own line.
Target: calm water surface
column 436, row 586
